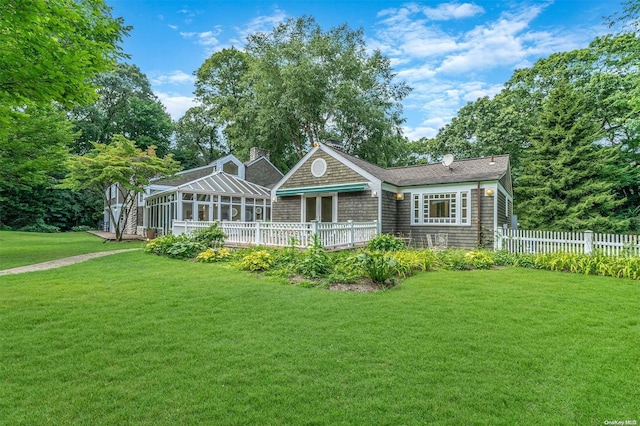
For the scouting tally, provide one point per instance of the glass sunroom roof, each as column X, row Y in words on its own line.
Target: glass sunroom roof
column 222, row 183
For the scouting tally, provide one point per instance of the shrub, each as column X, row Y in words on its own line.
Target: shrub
column 211, row 255
column 412, row 260
column 81, row 228
column 453, row 259
column 378, row 266
column 385, row 242
column 480, row 259
column 314, row 262
column 259, row 260
column 180, row 246
column 345, row 268
column 211, row 237
column 40, row 226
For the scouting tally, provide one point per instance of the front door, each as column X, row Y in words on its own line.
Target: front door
column 319, row 208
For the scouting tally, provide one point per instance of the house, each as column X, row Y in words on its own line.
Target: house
column 226, row 189
column 462, row 202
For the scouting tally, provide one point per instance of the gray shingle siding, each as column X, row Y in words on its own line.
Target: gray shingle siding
column 357, row 206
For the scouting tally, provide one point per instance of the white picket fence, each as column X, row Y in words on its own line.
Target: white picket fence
column 522, row 241
column 281, row 234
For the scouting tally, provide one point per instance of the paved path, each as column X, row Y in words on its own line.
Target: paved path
column 61, row 262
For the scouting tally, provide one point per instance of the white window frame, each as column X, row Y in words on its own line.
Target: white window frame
column 460, row 203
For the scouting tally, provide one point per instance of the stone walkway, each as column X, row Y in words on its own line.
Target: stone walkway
column 61, row 262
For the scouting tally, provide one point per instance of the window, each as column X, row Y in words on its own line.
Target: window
column 445, row 208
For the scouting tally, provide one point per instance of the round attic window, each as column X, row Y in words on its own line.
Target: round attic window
column 318, row 167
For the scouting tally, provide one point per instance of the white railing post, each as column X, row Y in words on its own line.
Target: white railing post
column 588, row 242
column 499, row 237
column 352, row 233
column 258, row 239
column 314, row 230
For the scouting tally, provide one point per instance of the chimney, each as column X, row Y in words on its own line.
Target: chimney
column 255, row 153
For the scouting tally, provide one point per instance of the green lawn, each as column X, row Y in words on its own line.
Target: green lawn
column 138, row 339
column 26, row 248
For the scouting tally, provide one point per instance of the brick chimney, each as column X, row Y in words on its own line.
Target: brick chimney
column 255, row 153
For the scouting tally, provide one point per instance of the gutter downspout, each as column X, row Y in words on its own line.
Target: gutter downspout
column 479, row 236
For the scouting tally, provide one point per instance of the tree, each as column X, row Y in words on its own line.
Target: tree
column 566, row 181
column 126, row 105
column 297, row 86
column 197, row 140
column 51, row 50
column 119, row 164
column 32, row 151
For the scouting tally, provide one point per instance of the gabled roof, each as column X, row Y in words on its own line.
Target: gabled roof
column 221, row 183
column 465, row 170
column 187, row 175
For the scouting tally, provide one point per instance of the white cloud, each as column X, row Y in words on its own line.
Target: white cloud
column 176, row 104
column 209, row 39
column 173, row 77
column 415, row 133
column 448, row 11
column 264, row 23
column 173, row 27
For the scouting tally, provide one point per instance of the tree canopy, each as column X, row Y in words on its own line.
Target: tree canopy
column 120, row 164
column 125, row 105
column 51, row 50
column 297, row 86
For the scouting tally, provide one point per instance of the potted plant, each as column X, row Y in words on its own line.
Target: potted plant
column 151, row 233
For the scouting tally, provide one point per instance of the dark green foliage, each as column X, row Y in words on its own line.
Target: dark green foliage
column 568, row 180
column 212, row 236
column 81, row 228
column 40, row 226
column 126, row 105
column 385, row 242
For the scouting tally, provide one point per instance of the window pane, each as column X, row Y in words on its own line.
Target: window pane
column 203, row 197
column 187, row 211
column 310, row 208
column 438, row 208
column 203, row 212
column 327, row 209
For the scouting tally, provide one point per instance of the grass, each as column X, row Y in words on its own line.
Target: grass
column 26, row 248
column 139, row 339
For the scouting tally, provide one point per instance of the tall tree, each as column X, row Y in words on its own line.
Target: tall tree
column 32, row 151
column 51, row 50
column 119, row 164
column 566, row 181
column 297, row 86
column 197, row 139
column 126, row 105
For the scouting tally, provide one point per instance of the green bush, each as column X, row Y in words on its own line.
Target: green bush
column 453, row 259
column 314, row 262
column 212, row 236
column 377, row 265
column 40, row 226
column 345, row 268
column 180, row 246
column 258, row 260
column 211, row 255
column 480, row 259
column 81, row 228
column 385, row 242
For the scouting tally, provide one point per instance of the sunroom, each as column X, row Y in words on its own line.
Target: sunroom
column 217, row 197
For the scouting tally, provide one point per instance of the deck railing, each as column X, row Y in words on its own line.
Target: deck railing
column 281, row 234
column 522, row 241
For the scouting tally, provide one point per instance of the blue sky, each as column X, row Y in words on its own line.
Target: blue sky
column 451, row 53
